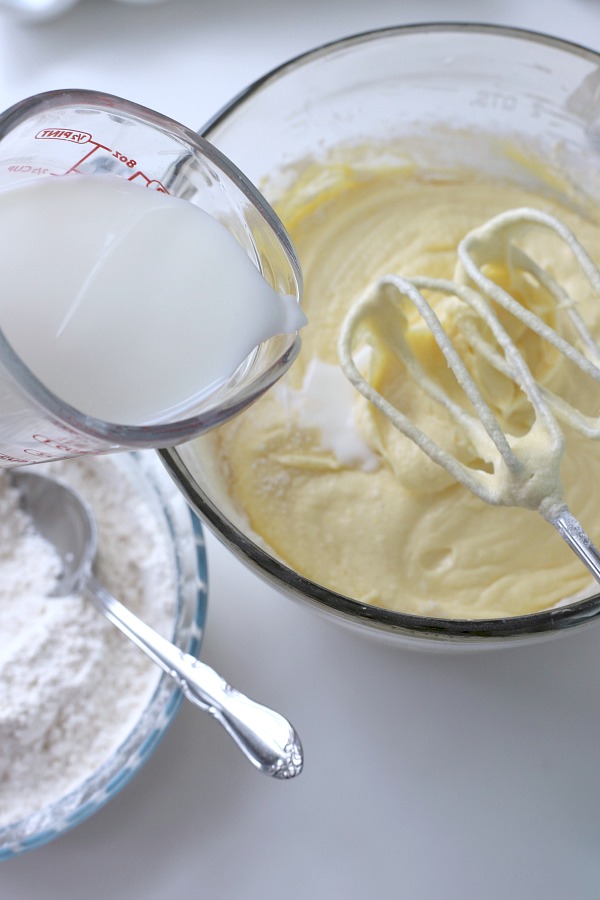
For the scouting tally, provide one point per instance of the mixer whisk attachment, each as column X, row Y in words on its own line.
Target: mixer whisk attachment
column 493, row 243
column 512, row 469
column 525, row 468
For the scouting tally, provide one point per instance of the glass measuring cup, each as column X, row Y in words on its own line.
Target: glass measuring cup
column 70, row 133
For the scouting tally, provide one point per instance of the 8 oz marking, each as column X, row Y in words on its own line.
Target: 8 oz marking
column 130, row 163
column 93, row 147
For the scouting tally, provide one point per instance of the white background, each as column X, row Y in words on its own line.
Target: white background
column 455, row 777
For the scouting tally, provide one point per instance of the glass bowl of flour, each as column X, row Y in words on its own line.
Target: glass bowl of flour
column 82, row 707
column 380, row 153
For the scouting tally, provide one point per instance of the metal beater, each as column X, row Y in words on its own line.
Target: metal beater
column 521, row 470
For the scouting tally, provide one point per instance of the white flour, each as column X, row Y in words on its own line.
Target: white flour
column 71, row 686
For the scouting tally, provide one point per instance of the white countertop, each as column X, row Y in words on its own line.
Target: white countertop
column 453, row 777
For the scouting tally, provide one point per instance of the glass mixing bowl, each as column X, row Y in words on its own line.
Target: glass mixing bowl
column 499, row 96
column 100, row 786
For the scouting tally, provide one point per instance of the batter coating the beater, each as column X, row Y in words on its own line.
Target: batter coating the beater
column 341, row 495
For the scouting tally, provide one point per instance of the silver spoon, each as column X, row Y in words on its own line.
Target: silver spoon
column 64, row 519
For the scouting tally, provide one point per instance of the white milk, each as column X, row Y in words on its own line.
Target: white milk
column 128, row 304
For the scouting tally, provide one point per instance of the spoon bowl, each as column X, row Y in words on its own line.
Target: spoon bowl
column 65, row 520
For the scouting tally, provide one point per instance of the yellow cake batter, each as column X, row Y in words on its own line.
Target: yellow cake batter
column 340, row 495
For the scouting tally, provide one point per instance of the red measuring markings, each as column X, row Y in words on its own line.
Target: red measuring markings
column 50, row 448
column 83, row 137
column 80, row 445
column 63, row 134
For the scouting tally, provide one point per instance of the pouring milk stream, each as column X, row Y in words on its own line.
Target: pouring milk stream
column 131, row 316
column 137, row 302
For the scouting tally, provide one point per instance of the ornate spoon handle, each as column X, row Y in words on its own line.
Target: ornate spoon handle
column 268, row 740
